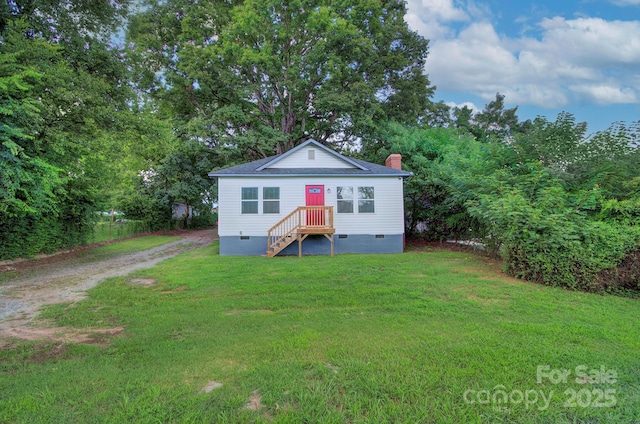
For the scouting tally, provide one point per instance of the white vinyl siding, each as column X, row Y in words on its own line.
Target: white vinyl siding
column 318, row 159
column 387, row 218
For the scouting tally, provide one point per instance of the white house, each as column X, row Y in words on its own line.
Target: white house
column 311, row 200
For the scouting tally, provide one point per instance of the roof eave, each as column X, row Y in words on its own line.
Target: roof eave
column 245, row 175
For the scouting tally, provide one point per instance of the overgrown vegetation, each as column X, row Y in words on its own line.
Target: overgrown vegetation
column 75, row 133
column 399, row 338
column 560, row 208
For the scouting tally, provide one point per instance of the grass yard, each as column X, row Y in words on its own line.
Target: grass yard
column 430, row 337
column 130, row 246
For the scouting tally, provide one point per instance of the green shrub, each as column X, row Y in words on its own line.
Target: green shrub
column 27, row 235
column 153, row 212
column 204, row 219
column 547, row 239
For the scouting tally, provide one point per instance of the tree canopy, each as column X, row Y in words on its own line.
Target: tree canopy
column 62, row 92
column 266, row 75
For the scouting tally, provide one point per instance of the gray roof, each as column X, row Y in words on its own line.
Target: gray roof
column 260, row 167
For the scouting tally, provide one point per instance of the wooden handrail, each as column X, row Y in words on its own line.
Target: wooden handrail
column 308, row 217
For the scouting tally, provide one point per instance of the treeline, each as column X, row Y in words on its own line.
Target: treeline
column 560, row 207
column 119, row 105
column 77, row 135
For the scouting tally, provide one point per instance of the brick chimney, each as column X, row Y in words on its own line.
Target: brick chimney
column 394, row 161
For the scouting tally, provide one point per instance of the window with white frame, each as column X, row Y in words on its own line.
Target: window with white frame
column 271, row 200
column 366, row 200
column 249, row 200
column 345, row 199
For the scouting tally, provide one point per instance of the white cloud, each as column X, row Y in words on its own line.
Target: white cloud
column 440, row 10
column 470, row 105
column 626, row 2
column 535, row 94
column 430, row 18
column 593, row 41
column 585, row 59
column 475, row 61
column 605, row 94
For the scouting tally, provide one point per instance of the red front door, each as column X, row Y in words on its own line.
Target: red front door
column 315, row 197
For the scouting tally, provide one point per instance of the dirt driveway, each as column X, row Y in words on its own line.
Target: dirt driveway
column 66, row 277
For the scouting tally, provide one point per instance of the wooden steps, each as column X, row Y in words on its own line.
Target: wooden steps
column 298, row 225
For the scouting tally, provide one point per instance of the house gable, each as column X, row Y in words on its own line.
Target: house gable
column 311, row 155
column 297, row 162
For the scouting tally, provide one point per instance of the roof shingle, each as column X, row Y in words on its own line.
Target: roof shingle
column 252, row 169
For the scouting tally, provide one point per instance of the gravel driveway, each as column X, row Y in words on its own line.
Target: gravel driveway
column 65, row 278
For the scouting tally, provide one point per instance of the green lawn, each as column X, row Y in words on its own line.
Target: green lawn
column 417, row 337
column 130, row 246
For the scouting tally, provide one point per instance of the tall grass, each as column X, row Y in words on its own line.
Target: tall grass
column 108, row 229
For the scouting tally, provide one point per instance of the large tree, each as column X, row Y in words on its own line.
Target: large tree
column 264, row 76
column 62, row 89
column 494, row 122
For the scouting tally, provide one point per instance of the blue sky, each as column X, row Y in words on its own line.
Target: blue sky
column 548, row 56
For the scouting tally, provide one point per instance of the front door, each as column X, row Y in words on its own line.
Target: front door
column 315, row 197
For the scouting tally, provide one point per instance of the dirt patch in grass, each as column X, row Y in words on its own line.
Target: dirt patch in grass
column 332, row 367
column 58, row 334
column 211, row 386
column 255, row 401
column 46, row 352
column 143, row 282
